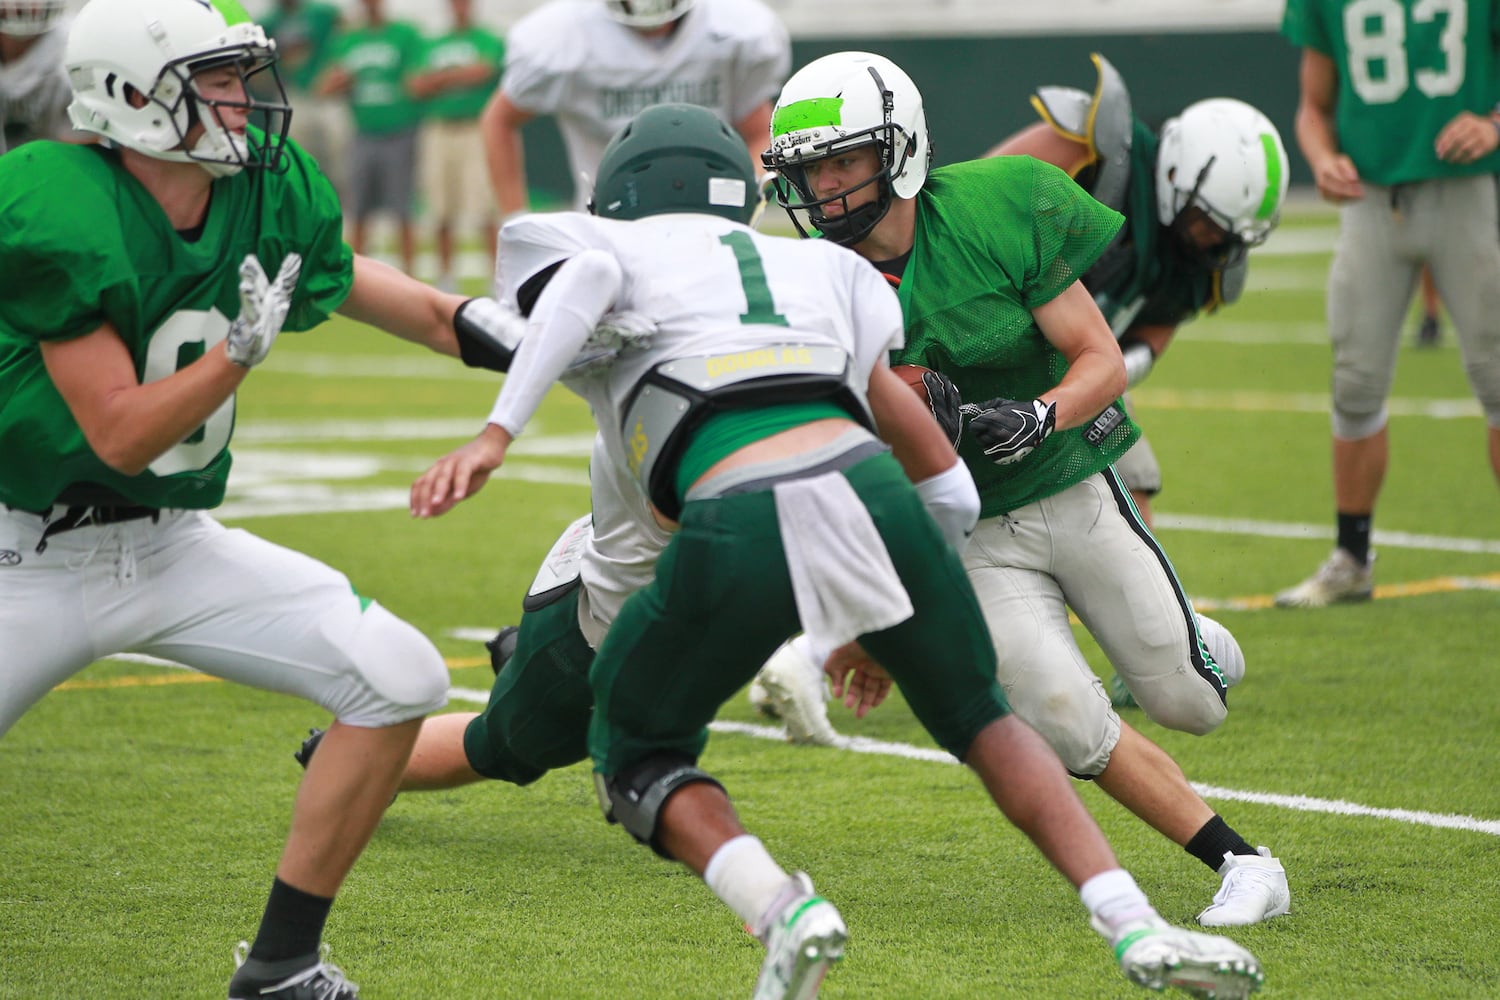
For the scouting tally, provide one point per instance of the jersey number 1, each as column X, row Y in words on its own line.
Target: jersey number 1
column 760, row 309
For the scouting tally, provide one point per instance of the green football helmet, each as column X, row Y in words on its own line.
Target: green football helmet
column 675, row 158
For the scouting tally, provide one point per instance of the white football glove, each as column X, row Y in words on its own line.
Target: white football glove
column 263, row 308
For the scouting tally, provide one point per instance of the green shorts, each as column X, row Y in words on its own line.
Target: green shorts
column 722, row 602
column 540, row 705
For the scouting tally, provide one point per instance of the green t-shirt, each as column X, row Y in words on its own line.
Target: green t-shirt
column 83, row 244
column 381, row 58
column 470, row 47
column 1405, row 68
column 302, row 38
column 995, row 239
column 1146, row 276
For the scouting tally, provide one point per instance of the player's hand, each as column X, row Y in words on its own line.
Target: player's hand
column 1009, row 429
column 1467, row 138
column 1337, row 179
column 946, row 404
column 459, row 474
column 263, row 308
column 861, row 682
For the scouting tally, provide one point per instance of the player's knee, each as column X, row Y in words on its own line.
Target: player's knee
column 1358, row 408
column 1188, row 704
column 402, row 673
column 489, row 753
column 635, row 796
column 1484, row 376
column 1078, row 729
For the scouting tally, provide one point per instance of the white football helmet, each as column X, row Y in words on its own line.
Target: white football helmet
column 1224, row 158
column 30, row 17
column 840, row 102
column 646, row 13
column 120, row 52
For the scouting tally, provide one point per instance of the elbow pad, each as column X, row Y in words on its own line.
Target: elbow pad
column 488, row 333
column 953, row 501
column 1139, row 357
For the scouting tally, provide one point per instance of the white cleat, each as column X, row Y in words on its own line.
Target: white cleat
column 1157, row 955
column 1340, row 578
column 797, row 695
column 1254, row 889
column 804, row 937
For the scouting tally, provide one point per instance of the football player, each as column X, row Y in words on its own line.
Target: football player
column 593, row 64
column 747, row 423
column 1196, row 199
column 141, row 280
column 987, row 256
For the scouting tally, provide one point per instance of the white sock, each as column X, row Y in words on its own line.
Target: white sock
column 745, row 876
column 1114, row 902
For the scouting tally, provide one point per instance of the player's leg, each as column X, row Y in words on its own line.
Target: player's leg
column 1370, row 286
column 720, row 603
column 1466, row 262
column 256, row 613
column 1140, row 470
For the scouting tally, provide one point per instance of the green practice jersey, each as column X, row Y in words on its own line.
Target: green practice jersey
column 1145, row 279
column 470, row 47
column 381, row 58
column 995, row 239
column 83, row 244
column 1405, row 68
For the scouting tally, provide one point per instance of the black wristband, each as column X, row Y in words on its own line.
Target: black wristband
column 475, row 347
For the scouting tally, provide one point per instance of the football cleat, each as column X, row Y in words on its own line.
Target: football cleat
column 319, row 981
column 804, row 936
column 1429, row 332
column 1254, row 889
column 502, row 647
column 1340, row 578
column 309, row 747
column 798, row 697
column 1157, row 955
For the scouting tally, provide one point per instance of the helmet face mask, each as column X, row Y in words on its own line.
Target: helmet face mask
column 30, row 17
column 158, row 82
column 1220, row 166
column 647, row 13
column 676, row 158
column 841, row 102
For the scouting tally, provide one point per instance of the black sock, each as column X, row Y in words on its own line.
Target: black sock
column 1214, row 840
column 292, row 925
column 1354, row 535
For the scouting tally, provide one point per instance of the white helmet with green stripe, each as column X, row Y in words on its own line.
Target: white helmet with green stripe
column 840, row 102
column 131, row 65
column 1225, row 159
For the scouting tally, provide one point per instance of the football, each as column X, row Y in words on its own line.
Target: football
column 912, row 376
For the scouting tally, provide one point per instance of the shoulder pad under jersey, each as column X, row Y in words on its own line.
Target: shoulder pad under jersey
column 1101, row 121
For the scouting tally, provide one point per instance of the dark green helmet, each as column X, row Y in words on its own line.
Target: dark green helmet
column 675, row 158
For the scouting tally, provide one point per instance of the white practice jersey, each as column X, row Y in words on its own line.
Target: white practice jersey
column 620, row 556
column 34, row 90
column 571, row 60
column 708, row 286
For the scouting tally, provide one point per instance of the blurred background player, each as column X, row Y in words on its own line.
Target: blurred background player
column 370, row 66
column 593, row 64
column 34, row 92
column 1196, row 199
column 987, row 257
column 303, row 33
column 457, row 74
column 1395, row 118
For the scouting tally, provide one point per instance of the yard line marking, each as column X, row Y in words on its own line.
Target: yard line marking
column 1286, row 529
column 1259, row 401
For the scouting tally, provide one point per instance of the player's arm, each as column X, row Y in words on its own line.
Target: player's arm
column 1045, row 143
column 129, row 424
column 1142, row 345
column 1317, row 133
column 391, row 300
column 1096, row 372
column 505, row 156
column 755, row 129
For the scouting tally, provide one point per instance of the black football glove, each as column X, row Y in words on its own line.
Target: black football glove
column 1009, row 429
column 946, row 404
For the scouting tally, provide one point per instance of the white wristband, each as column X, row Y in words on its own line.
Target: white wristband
column 1139, row 357
column 953, row 501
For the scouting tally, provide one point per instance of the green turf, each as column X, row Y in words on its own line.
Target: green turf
column 142, row 822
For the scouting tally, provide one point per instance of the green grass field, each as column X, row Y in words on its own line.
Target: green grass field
column 144, row 806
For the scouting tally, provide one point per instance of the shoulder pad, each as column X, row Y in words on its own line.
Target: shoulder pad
column 1102, row 121
column 532, row 243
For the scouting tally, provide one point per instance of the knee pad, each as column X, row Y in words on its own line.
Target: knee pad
column 1351, row 426
column 1082, row 732
column 634, row 797
column 403, row 671
column 1485, row 378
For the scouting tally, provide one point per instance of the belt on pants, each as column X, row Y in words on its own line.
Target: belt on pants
column 83, row 516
